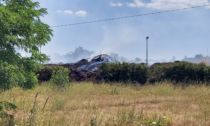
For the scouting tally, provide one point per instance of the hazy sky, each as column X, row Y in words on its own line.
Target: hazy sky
column 179, row 34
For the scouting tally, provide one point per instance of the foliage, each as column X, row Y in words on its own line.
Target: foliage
column 29, row 68
column 31, row 80
column 157, row 72
column 10, row 76
column 60, row 76
column 180, row 72
column 177, row 72
column 13, row 75
column 207, row 74
column 124, row 72
column 21, row 29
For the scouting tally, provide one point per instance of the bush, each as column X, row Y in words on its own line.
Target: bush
column 60, row 76
column 180, row 72
column 123, row 72
column 31, row 80
column 10, row 76
column 23, row 75
column 157, row 72
column 207, row 74
column 29, row 68
column 184, row 72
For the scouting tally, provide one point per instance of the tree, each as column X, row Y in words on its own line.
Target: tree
column 22, row 29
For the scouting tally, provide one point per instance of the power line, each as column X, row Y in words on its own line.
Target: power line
column 131, row 16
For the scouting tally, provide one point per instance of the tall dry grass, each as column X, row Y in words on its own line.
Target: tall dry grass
column 84, row 104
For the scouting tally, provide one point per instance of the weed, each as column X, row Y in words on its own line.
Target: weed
column 114, row 91
column 34, row 112
column 45, row 103
column 93, row 121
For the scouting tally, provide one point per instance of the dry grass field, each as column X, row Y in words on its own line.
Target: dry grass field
column 87, row 104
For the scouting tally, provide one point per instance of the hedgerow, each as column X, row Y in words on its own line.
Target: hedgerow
column 180, row 72
column 124, row 72
column 177, row 72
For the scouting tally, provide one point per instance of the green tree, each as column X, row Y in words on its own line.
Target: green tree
column 22, row 29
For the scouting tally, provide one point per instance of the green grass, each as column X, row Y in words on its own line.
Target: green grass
column 84, row 104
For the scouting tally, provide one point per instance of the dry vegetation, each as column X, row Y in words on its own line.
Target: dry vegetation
column 84, row 104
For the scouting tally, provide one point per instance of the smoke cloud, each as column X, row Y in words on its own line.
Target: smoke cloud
column 81, row 53
column 71, row 57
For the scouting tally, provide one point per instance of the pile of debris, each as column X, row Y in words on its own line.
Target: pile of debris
column 83, row 70
column 93, row 64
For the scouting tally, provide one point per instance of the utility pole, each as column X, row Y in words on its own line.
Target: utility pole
column 147, row 62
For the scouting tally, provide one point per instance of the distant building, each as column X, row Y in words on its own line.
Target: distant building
column 198, row 59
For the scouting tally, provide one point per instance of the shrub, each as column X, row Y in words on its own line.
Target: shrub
column 207, row 74
column 29, row 68
column 124, row 72
column 186, row 72
column 138, row 73
column 60, row 76
column 180, row 72
column 10, row 76
column 157, row 72
column 31, row 80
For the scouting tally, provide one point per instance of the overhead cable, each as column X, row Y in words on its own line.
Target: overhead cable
column 129, row 16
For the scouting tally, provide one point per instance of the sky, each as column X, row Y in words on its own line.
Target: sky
column 174, row 34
